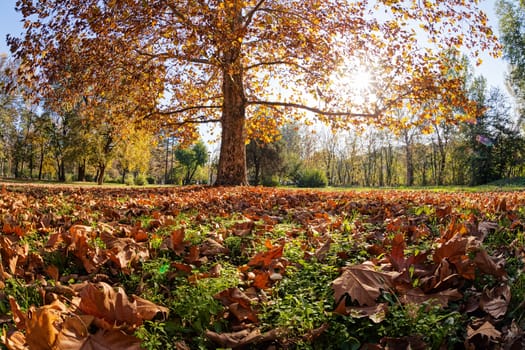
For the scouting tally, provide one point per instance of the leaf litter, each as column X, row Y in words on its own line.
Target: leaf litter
column 75, row 245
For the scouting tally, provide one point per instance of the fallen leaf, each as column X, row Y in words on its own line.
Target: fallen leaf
column 485, row 330
column 362, row 283
column 113, row 309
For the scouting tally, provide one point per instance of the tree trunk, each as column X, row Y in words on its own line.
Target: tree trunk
column 101, row 173
column 81, row 176
column 41, row 162
column 61, row 171
column 232, row 161
column 409, row 165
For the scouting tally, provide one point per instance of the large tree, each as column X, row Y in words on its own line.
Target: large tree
column 247, row 64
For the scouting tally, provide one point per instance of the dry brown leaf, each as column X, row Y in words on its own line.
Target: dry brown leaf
column 16, row 341
column 239, row 304
column 376, row 313
column 113, row 309
column 102, row 340
column 19, row 317
column 264, row 259
column 485, row 330
column 490, row 266
column 211, row 247
column 496, row 301
column 362, row 283
column 242, row 338
column 41, row 325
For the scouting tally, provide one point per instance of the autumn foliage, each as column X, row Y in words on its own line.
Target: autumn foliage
column 250, row 65
column 382, row 254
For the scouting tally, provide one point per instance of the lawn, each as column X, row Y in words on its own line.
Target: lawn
column 257, row 268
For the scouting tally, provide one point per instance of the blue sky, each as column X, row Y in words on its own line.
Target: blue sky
column 493, row 69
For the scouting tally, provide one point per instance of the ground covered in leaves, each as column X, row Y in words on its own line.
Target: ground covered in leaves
column 255, row 268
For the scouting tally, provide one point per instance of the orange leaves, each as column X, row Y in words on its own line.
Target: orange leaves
column 113, row 310
column 256, row 263
column 58, row 326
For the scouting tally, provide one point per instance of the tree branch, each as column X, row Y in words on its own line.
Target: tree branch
column 186, row 109
column 249, row 17
column 171, row 55
column 270, row 63
column 313, row 109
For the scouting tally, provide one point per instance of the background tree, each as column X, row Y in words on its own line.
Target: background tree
column 134, row 153
column 191, row 159
column 264, row 160
column 227, row 60
column 511, row 15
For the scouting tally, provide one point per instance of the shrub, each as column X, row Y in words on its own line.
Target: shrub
column 141, row 180
column 128, row 180
column 151, row 180
column 270, row 181
column 312, row 178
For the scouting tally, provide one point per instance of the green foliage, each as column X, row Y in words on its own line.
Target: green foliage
column 195, row 307
column 129, row 180
column 435, row 326
column 191, row 159
column 270, row 181
column 312, row 178
column 25, row 295
column 156, row 335
column 302, row 301
column 141, row 180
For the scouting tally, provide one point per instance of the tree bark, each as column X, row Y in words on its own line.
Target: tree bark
column 232, row 161
column 101, row 172
column 41, row 162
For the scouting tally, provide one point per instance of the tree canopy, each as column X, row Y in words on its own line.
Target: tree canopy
column 250, row 65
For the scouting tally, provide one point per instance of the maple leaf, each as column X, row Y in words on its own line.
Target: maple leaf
column 490, row 266
column 483, row 330
column 113, row 309
column 124, row 252
column 376, row 313
column 101, row 340
column 238, row 303
column 264, row 259
column 19, row 318
column 362, row 283
column 410, row 295
column 456, row 252
column 211, row 247
column 495, row 301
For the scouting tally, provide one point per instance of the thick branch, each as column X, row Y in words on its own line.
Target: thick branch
column 186, row 109
column 273, row 63
column 314, row 109
column 171, row 55
column 193, row 121
column 249, row 17
column 198, row 120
